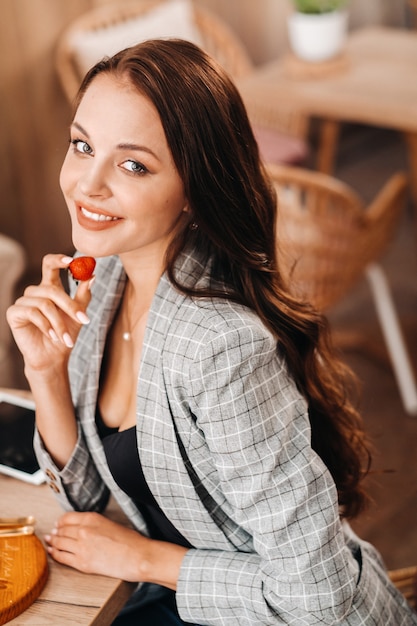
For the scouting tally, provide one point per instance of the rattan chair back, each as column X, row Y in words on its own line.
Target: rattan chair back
column 405, row 579
column 326, row 235
column 217, row 39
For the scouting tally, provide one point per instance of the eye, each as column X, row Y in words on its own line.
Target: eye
column 81, row 146
column 134, row 166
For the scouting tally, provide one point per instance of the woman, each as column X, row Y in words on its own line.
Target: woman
column 193, row 388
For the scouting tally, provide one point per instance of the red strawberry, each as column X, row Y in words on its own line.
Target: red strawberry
column 82, row 267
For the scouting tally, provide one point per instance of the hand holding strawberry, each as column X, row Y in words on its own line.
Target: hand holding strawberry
column 45, row 320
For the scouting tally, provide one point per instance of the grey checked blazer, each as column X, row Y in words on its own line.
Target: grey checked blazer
column 224, row 441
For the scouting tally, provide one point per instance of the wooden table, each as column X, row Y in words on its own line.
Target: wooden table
column 374, row 82
column 69, row 596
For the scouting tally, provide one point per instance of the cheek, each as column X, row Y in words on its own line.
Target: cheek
column 65, row 179
column 174, row 200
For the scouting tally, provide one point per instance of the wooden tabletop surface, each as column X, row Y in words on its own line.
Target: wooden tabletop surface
column 375, row 81
column 69, row 597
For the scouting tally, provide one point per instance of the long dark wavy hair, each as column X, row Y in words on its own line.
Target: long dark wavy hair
column 234, row 206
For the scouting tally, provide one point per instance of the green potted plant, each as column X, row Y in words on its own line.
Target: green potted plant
column 317, row 28
column 318, row 6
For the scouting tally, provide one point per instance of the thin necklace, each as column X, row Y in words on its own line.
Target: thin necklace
column 127, row 334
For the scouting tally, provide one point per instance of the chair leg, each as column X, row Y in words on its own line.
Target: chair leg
column 394, row 339
column 328, row 142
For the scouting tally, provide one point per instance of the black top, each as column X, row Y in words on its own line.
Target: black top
column 122, row 456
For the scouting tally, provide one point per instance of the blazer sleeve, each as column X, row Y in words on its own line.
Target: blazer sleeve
column 78, row 486
column 256, row 427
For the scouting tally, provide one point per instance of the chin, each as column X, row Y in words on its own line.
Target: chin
column 89, row 246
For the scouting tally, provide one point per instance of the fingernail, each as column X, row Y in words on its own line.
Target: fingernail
column 68, row 341
column 66, row 259
column 54, row 531
column 53, row 335
column 82, row 317
column 47, row 538
column 91, row 282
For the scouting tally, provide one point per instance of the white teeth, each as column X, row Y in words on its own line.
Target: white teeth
column 97, row 217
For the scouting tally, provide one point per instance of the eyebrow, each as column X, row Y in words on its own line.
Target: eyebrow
column 120, row 146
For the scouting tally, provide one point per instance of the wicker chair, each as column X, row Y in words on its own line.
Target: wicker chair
column 405, row 580
column 281, row 135
column 328, row 240
column 12, row 267
column 413, row 9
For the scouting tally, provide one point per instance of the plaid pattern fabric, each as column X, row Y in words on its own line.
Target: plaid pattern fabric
column 224, row 441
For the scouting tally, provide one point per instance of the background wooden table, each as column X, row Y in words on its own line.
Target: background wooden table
column 374, row 82
column 69, row 596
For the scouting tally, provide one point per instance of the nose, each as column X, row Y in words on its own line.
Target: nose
column 93, row 182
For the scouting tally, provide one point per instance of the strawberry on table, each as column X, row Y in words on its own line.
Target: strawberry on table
column 82, row 267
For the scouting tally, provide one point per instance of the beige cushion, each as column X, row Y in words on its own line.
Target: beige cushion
column 280, row 147
column 12, row 266
column 173, row 18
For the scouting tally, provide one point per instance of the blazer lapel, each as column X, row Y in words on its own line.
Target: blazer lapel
column 161, row 456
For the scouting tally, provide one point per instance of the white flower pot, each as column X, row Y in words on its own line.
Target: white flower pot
column 317, row 37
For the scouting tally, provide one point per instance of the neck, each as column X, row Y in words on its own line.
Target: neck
column 143, row 270
column 143, row 273
column 137, row 299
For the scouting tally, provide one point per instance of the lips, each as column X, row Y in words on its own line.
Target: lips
column 92, row 219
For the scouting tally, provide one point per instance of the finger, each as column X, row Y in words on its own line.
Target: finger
column 63, row 551
column 64, row 543
column 62, row 301
column 27, row 311
column 78, row 518
column 76, row 561
column 72, row 537
column 82, row 296
column 42, row 314
column 66, row 558
column 51, row 266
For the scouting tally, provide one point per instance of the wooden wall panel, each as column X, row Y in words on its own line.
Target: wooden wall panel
column 34, row 113
column 34, row 118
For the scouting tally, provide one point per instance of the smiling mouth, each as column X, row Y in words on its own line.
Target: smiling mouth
column 97, row 217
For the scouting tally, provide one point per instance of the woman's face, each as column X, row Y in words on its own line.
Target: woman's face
column 123, row 192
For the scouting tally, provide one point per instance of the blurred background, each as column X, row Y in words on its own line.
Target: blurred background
column 34, row 117
column 35, row 114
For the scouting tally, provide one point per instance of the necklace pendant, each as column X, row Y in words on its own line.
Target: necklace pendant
column 126, row 336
